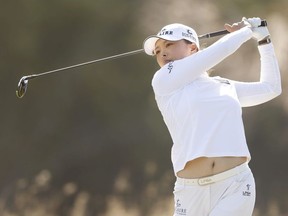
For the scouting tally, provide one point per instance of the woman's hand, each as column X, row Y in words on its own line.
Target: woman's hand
column 236, row 26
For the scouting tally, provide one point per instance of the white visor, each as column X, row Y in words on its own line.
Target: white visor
column 172, row 32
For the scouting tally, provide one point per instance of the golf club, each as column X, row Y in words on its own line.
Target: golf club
column 23, row 83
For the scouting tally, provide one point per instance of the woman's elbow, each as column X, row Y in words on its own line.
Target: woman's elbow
column 276, row 90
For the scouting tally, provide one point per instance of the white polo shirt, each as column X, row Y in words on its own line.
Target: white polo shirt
column 203, row 114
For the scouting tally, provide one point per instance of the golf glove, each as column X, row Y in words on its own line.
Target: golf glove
column 259, row 32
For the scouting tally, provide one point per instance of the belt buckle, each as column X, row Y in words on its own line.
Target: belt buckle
column 205, row 181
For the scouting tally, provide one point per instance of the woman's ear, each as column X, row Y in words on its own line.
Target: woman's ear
column 194, row 48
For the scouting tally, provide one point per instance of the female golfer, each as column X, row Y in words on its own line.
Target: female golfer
column 203, row 115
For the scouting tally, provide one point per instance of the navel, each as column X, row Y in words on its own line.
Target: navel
column 213, row 164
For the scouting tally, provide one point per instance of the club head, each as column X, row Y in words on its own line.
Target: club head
column 22, row 87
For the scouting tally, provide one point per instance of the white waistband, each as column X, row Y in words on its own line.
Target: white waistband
column 214, row 178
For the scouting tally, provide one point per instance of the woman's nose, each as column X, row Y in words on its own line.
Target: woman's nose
column 164, row 54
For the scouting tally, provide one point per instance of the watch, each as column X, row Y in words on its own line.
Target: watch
column 264, row 41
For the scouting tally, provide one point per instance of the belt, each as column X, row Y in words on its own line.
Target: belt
column 214, row 178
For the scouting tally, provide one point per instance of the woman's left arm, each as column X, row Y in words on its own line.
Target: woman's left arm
column 269, row 85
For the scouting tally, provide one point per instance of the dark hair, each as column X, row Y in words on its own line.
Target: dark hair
column 188, row 42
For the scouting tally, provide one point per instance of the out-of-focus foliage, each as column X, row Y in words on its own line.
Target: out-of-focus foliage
column 91, row 141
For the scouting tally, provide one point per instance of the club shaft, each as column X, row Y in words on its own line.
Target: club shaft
column 86, row 63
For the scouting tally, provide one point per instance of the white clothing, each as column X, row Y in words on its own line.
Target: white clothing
column 232, row 196
column 203, row 114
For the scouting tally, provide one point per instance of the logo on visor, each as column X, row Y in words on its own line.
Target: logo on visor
column 189, row 34
column 165, row 32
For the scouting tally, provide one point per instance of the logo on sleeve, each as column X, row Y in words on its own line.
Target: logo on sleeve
column 170, row 66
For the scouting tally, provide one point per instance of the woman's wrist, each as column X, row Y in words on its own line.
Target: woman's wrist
column 266, row 40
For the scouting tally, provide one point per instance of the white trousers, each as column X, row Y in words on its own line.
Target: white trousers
column 233, row 196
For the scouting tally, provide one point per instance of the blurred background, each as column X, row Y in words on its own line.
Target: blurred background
column 91, row 141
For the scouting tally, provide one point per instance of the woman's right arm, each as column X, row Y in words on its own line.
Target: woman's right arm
column 177, row 74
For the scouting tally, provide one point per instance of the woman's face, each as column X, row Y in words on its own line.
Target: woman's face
column 167, row 51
